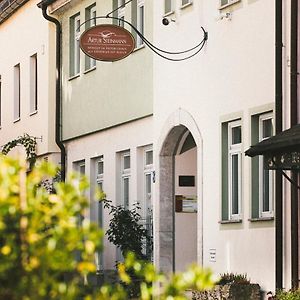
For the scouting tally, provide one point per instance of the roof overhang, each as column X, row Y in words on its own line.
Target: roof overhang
column 281, row 151
column 8, row 7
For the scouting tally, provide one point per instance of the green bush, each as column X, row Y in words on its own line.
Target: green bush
column 47, row 249
column 126, row 231
column 291, row 295
column 233, row 278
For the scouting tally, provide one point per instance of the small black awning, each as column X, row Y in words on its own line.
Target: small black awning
column 286, row 141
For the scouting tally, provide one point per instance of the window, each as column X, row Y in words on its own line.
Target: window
column 185, row 2
column 99, row 168
column 140, row 21
column 234, row 170
column 231, row 170
column 168, row 7
column 121, row 12
column 81, row 168
column 33, row 84
column 125, row 179
column 90, row 14
column 17, row 93
column 148, row 170
column 262, row 180
column 74, row 45
column 224, row 3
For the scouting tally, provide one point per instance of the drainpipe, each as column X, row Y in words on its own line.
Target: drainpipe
column 44, row 5
column 278, row 129
column 294, row 121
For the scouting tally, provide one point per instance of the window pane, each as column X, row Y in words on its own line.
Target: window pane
column 82, row 169
column 185, row 2
column 126, row 192
column 77, row 51
column 266, row 193
column 100, row 167
column 148, row 186
column 126, row 162
column 168, row 6
column 224, row 2
column 267, row 128
column 235, row 184
column 236, row 135
column 149, row 157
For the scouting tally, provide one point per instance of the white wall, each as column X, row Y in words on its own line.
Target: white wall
column 23, row 34
column 185, row 223
column 233, row 74
column 109, row 143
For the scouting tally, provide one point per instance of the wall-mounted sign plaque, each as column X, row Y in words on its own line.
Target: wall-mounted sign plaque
column 107, row 42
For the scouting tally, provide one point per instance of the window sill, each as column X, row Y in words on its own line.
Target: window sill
column 228, row 4
column 73, row 77
column 169, row 13
column 33, row 113
column 139, row 48
column 89, row 70
column 186, row 5
column 231, row 221
column 262, row 219
column 17, row 120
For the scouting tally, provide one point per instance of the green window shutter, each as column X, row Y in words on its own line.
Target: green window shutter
column 254, row 169
column 225, row 208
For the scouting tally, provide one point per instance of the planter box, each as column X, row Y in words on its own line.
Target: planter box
column 230, row 291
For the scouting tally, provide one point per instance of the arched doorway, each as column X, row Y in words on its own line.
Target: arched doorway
column 179, row 228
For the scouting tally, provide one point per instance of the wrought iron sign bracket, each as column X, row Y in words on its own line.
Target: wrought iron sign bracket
column 168, row 55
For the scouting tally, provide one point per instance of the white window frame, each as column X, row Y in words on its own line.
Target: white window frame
column 270, row 213
column 17, row 92
column 171, row 7
column 121, row 12
column 33, row 84
column 125, row 175
column 234, row 149
column 76, row 49
column 140, row 23
column 92, row 14
column 148, row 170
column 229, row 2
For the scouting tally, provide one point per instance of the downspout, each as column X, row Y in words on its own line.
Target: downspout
column 44, row 6
column 294, row 121
column 278, row 129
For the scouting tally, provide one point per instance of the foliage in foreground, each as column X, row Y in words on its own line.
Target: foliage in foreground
column 47, row 249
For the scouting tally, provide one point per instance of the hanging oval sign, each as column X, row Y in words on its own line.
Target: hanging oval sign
column 107, row 42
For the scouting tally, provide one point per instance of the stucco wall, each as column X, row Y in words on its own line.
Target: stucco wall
column 108, row 143
column 233, row 74
column 111, row 94
column 25, row 33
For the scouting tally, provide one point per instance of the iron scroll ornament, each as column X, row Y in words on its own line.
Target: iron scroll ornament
column 160, row 52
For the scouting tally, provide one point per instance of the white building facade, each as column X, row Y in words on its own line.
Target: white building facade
column 27, row 77
column 172, row 135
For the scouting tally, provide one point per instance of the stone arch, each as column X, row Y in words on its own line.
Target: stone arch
column 175, row 127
